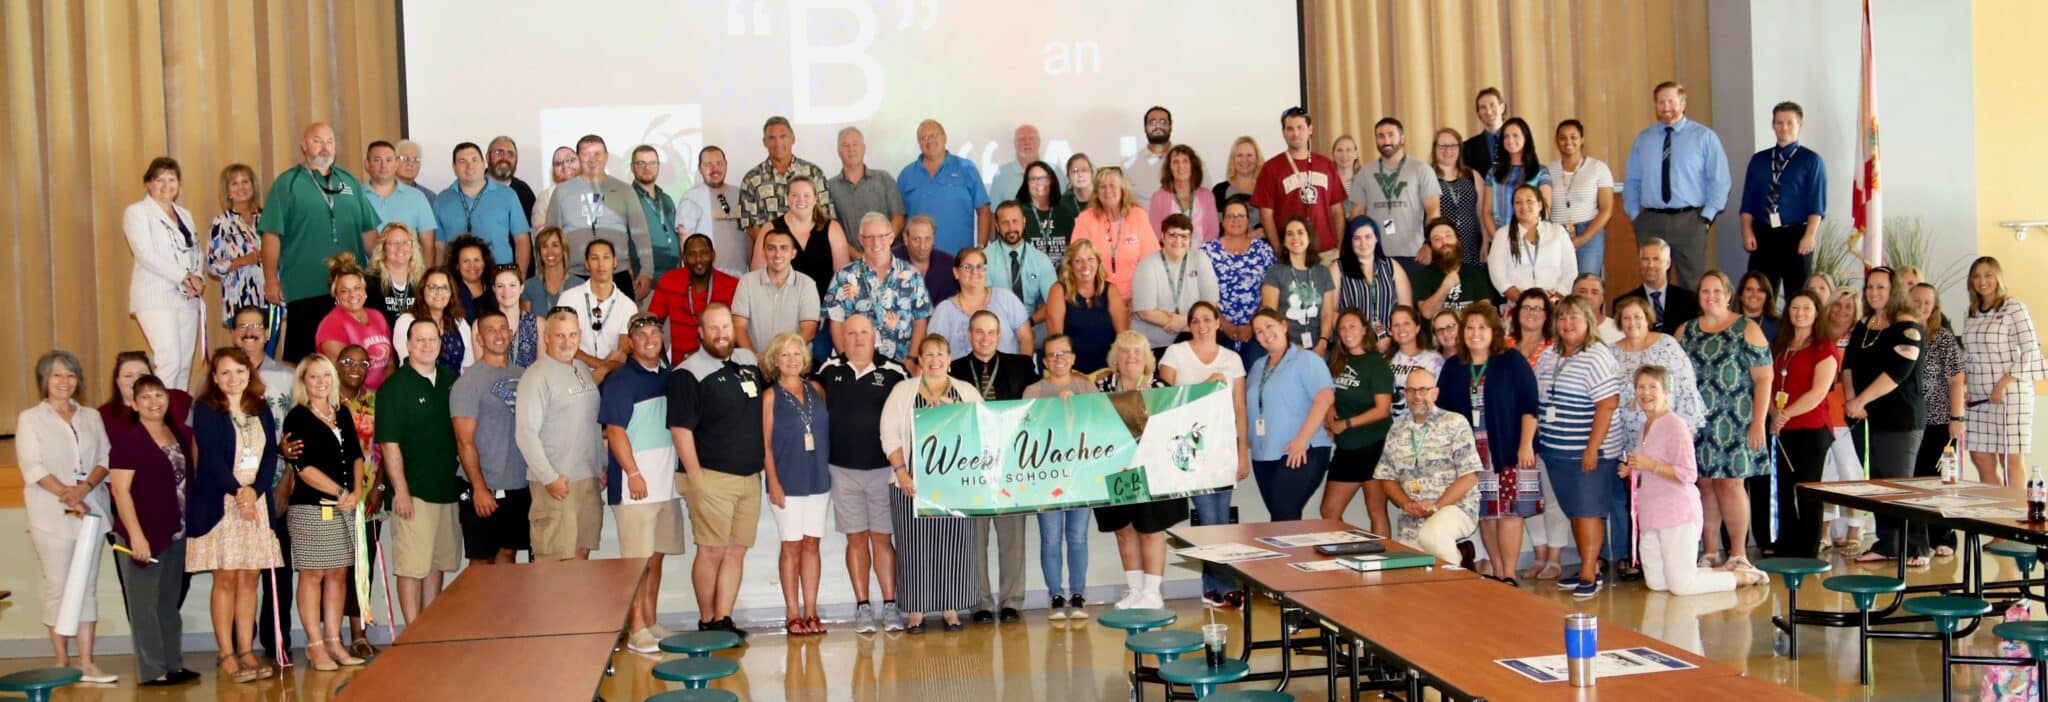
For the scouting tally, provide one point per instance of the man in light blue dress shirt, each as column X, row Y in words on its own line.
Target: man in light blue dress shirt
column 1677, row 183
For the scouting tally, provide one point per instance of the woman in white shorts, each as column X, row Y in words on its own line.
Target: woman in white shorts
column 796, row 425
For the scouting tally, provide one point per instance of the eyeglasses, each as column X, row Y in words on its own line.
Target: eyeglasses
column 1059, row 354
column 973, row 267
column 1180, row 235
column 1441, row 330
column 250, row 326
column 504, row 152
column 408, row 159
column 1158, row 122
column 436, row 288
column 353, row 363
column 637, row 164
column 642, row 320
column 1417, row 391
column 560, row 163
column 1237, row 215
column 1446, row 146
column 1038, row 179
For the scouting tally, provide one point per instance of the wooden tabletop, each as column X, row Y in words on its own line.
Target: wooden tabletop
column 551, row 598
column 1277, row 575
column 2018, row 530
column 1454, row 631
column 551, row 668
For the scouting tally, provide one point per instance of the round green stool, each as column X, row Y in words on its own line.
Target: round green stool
column 1946, row 611
column 1196, row 673
column 695, row 673
column 37, row 684
column 1794, row 572
column 2022, row 555
column 698, row 644
column 1863, row 591
column 1135, row 621
column 1167, row 644
column 1249, row 696
column 703, row 695
column 2035, row 636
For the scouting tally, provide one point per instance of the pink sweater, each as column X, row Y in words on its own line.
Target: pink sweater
column 1660, row 502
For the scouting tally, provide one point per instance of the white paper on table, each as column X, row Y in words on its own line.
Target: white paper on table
column 1607, row 664
column 1990, row 513
column 1227, row 553
column 1862, row 489
column 1949, row 502
column 85, row 549
column 1930, row 483
column 1318, row 566
column 1349, row 536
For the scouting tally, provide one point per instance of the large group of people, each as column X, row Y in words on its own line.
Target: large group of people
column 494, row 368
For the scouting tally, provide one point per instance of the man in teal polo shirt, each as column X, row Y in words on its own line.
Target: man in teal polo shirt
column 478, row 205
column 946, row 187
column 313, row 211
column 660, row 208
column 394, row 201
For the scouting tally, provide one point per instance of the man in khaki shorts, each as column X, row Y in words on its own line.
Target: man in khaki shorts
column 714, row 415
column 419, row 459
column 640, row 479
column 556, row 429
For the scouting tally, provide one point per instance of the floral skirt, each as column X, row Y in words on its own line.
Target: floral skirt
column 237, row 542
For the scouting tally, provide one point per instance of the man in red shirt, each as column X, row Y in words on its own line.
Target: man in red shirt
column 684, row 292
column 1300, row 182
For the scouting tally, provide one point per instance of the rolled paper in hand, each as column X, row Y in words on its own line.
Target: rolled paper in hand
column 84, row 552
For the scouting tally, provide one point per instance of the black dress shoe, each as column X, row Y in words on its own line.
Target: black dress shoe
column 956, row 626
column 983, row 616
column 165, row 681
column 1009, row 615
column 182, row 675
column 727, row 624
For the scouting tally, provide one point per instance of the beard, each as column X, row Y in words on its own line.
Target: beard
column 720, row 349
column 643, row 181
column 1389, row 150
column 1447, row 257
column 1158, row 138
column 321, row 162
column 501, row 170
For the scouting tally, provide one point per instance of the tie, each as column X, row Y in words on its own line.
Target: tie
column 1666, row 180
column 1657, row 301
column 1017, row 273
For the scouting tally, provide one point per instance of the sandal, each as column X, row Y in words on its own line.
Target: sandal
column 1737, row 563
column 794, row 627
column 231, row 669
column 1918, row 562
column 1872, row 557
column 1548, row 571
column 816, row 627
column 262, row 669
column 362, row 649
column 334, row 644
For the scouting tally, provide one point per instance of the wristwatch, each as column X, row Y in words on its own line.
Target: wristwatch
column 1955, row 418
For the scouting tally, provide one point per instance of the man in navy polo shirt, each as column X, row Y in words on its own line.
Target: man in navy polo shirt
column 478, row 205
column 947, row 188
column 714, row 415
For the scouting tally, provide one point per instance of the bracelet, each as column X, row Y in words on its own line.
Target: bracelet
column 1955, row 418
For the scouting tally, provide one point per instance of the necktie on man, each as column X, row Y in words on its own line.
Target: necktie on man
column 1665, row 181
column 1657, row 303
column 1017, row 273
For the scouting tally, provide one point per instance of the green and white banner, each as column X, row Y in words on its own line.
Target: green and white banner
column 1018, row 456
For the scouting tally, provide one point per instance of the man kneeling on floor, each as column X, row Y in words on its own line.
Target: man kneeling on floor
column 1429, row 470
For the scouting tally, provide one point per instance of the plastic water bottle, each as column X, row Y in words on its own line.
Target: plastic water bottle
column 2037, row 497
column 1950, row 470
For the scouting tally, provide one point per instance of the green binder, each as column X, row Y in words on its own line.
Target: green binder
column 1387, row 561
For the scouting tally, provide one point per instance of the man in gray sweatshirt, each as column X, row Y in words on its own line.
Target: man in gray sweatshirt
column 556, row 429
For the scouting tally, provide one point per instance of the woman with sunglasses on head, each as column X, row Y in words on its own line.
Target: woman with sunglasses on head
column 353, row 323
column 1412, row 347
column 1580, row 382
column 1886, row 407
column 2004, row 363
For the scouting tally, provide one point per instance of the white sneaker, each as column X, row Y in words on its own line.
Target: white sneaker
column 643, row 641
column 1148, row 600
column 864, row 619
column 892, row 617
column 1128, row 600
column 660, row 632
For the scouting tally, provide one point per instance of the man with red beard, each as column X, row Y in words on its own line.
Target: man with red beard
column 714, row 416
column 1446, row 282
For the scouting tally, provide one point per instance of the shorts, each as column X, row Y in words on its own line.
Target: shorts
column 505, row 530
column 860, row 500
column 649, row 528
column 560, row 527
column 427, row 543
column 1580, row 494
column 1356, row 465
column 725, row 509
column 801, row 517
column 1147, row 517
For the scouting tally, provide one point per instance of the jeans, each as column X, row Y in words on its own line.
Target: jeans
column 1286, row 490
column 1593, row 255
column 821, row 345
column 1213, row 508
column 1069, row 527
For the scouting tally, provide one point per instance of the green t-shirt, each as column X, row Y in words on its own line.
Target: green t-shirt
column 299, row 212
column 413, row 413
column 1363, row 378
column 1473, row 285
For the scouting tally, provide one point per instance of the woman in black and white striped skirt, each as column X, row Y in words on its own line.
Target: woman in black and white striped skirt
column 321, row 519
column 932, row 575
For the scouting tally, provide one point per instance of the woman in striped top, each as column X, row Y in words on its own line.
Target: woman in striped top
column 1367, row 280
column 1579, row 380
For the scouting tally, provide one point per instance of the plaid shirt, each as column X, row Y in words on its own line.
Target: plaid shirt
column 764, row 194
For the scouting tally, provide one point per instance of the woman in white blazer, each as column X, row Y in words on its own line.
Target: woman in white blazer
column 165, row 290
column 61, row 447
column 1531, row 252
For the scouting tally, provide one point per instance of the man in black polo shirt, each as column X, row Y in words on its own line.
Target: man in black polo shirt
column 856, row 384
column 714, row 412
column 999, row 376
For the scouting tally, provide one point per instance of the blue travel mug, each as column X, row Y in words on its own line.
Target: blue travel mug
column 1581, row 644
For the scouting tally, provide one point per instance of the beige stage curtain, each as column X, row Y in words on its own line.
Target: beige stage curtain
column 1422, row 61
column 93, row 89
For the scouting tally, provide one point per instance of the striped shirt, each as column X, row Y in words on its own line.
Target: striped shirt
column 1569, row 387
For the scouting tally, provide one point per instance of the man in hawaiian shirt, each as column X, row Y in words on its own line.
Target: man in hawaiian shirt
column 1429, row 470
column 883, row 287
